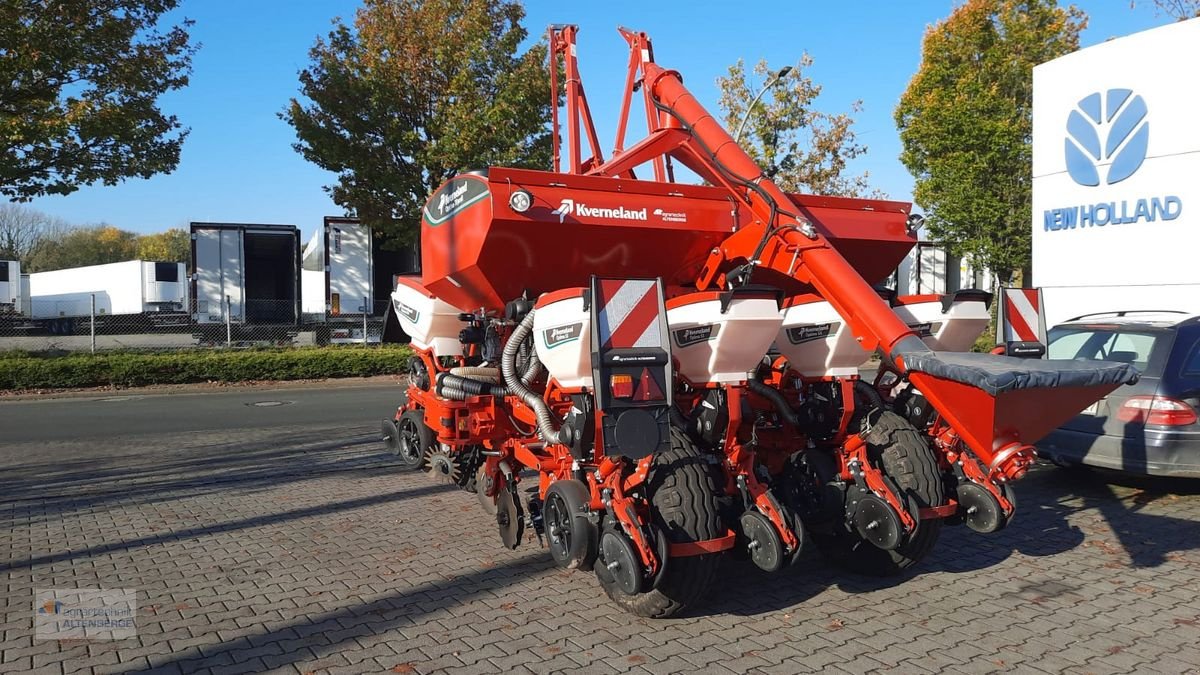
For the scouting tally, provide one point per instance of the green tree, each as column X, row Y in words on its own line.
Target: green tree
column 801, row 148
column 415, row 92
column 174, row 245
column 79, row 100
column 82, row 246
column 966, row 124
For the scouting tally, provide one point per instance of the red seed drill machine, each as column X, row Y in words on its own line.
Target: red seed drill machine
column 678, row 364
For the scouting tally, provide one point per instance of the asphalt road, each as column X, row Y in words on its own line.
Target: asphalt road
column 125, row 414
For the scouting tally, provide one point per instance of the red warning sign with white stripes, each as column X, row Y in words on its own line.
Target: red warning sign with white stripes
column 1021, row 315
column 627, row 314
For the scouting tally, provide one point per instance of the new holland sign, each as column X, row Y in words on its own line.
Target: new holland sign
column 1108, row 133
column 1116, row 149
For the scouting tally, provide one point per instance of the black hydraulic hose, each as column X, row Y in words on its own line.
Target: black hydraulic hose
column 749, row 185
column 865, row 391
column 776, row 397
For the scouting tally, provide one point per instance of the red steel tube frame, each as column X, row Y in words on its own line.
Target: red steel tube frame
column 692, row 135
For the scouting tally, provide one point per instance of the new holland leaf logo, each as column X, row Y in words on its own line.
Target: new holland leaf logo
column 1107, row 129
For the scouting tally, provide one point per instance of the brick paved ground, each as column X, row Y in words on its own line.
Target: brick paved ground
column 305, row 551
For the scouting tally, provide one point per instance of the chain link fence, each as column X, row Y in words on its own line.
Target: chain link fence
column 86, row 325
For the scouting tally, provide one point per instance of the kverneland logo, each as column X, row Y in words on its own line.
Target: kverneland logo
column 569, row 207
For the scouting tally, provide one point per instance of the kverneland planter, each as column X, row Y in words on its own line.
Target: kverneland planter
column 612, row 333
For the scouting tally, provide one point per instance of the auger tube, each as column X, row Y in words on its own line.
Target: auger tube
column 788, row 250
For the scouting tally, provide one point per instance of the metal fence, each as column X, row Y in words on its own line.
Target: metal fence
column 88, row 326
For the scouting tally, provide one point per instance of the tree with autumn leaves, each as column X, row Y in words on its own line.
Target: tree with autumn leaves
column 415, row 91
column 100, row 244
column 800, row 147
column 966, row 124
column 42, row 242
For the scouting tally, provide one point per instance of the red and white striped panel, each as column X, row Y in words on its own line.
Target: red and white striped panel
column 627, row 314
column 1022, row 315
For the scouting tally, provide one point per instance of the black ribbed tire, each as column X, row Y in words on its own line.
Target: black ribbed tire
column 683, row 498
column 902, row 453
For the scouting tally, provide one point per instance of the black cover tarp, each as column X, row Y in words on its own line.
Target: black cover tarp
column 998, row 374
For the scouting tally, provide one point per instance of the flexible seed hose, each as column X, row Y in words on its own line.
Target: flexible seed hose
column 776, row 397
column 476, row 373
column 452, row 393
column 464, row 382
column 517, row 386
column 533, row 369
column 470, row 385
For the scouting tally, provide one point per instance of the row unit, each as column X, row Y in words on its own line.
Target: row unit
column 714, row 337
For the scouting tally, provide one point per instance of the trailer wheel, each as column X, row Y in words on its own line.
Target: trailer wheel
column 684, row 508
column 414, row 439
column 904, row 456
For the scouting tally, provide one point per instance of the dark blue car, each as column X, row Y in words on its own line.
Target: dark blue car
column 1150, row 427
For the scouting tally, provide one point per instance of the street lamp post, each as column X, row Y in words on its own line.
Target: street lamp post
column 771, row 82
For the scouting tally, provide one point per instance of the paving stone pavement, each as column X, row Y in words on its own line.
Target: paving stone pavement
column 307, row 551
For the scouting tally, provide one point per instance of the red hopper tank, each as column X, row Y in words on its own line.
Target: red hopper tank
column 488, row 237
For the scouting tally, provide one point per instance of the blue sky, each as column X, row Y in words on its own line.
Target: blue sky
column 238, row 164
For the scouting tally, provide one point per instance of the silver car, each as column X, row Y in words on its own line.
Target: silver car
column 1150, row 427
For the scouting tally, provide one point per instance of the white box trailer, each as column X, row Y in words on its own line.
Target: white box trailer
column 1116, row 152
column 157, row 290
column 347, row 277
column 10, row 288
column 247, row 273
column 14, row 297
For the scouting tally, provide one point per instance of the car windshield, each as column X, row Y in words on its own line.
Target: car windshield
column 1107, row 343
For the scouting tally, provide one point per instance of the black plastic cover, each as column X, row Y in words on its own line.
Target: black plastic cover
column 998, row 374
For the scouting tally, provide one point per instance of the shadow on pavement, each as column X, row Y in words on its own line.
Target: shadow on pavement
column 1049, row 499
column 387, row 613
column 1148, row 539
column 228, row 526
column 44, row 491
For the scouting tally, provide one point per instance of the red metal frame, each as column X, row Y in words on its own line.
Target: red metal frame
column 773, row 240
column 782, row 245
